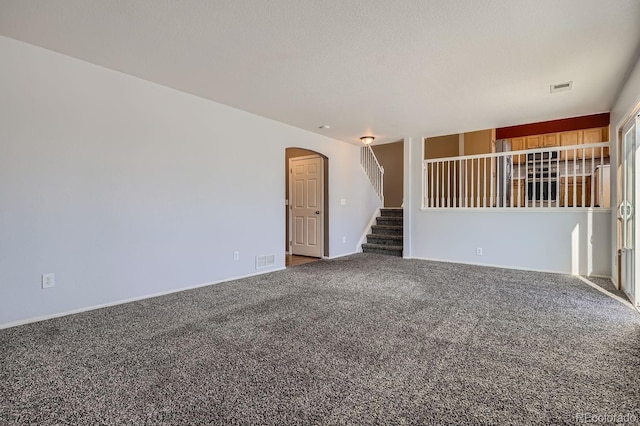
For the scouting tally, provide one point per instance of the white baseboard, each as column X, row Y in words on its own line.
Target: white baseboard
column 605, row 292
column 517, row 268
column 491, row 266
column 123, row 301
column 341, row 255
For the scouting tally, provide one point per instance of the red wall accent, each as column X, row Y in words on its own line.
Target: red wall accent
column 554, row 126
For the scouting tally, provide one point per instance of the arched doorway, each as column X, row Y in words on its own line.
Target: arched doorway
column 307, row 222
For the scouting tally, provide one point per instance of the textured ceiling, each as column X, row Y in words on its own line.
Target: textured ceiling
column 391, row 68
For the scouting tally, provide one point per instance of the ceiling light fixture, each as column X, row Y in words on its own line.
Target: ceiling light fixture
column 367, row 140
column 324, row 126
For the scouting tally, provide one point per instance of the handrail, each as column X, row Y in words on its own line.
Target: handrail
column 521, row 152
column 374, row 171
column 375, row 158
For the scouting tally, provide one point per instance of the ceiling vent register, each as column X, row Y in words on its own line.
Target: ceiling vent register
column 561, row 87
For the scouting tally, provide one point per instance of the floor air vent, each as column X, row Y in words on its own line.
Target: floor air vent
column 265, row 261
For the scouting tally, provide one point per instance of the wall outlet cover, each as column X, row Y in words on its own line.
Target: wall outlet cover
column 48, row 280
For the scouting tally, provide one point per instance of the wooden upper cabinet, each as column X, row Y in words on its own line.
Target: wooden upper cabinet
column 550, row 139
column 570, row 138
column 573, row 137
column 534, row 142
column 517, row 144
column 592, row 136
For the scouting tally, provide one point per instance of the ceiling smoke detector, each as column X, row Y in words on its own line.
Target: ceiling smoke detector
column 561, row 87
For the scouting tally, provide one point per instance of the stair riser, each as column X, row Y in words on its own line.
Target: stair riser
column 391, row 213
column 387, row 230
column 395, row 240
column 397, row 253
column 394, row 221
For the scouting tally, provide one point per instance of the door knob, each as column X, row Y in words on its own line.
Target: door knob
column 317, row 211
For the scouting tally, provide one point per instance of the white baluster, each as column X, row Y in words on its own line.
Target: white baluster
column 438, row 184
column 519, row 188
column 455, row 187
column 584, row 204
column 471, row 180
column 593, row 170
column 575, row 196
column 504, row 180
column 492, row 167
column 449, row 183
column 484, row 174
column 479, row 191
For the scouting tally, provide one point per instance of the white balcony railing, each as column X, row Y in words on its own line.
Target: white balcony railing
column 373, row 169
column 574, row 176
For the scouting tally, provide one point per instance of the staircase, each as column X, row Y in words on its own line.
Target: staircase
column 386, row 234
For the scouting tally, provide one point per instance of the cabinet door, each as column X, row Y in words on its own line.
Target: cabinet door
column 578, row 185
column 591, row 136
column 517, row 144
column 586, row 185
column 550, row 140
column 568, row 139
column 534, row 142
column 518, row 193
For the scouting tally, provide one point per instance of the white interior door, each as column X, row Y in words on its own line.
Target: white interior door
column 626, row 209
column 306, row 201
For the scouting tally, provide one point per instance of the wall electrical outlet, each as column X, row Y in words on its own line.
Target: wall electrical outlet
column 479, row 251
column 236, row 255
column 48, row 280
column 344, row 239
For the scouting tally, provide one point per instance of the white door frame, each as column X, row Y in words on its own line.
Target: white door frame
column 630, row 256
column 322, row 201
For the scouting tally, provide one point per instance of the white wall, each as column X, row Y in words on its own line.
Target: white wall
column 124, row 188
column 543, row 241
column 628, row 100
column 558, row 241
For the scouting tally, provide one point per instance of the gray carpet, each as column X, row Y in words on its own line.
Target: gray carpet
column 607, row 285
column 362, row 339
